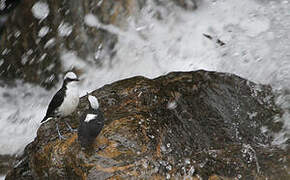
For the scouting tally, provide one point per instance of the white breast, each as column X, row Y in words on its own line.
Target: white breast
column 90, row 117
column 71, row 100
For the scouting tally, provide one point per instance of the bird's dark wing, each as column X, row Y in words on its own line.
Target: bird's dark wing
column 88, row 131
column 54, row 104
column 96, row 125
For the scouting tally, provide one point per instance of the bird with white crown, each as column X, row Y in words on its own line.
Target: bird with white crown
column 65, row 101
column 91, row 123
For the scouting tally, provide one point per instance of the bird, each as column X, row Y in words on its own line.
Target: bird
column 91, row 123
column 65, row 101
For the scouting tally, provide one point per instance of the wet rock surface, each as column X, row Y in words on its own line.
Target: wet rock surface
column 203, row 125
column 38, row 32
column 6, row 162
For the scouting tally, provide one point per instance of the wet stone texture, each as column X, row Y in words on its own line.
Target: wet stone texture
column 198, row 125
column 6, row 162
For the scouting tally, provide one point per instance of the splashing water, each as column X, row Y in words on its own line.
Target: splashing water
column 161, row 39
column 22, row 109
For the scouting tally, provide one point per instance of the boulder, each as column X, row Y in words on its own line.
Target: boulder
column 199, row 125
column 6, row 162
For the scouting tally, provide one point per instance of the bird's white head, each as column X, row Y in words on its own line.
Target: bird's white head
column 71, row 82
column 93, row 102
column 71, row 76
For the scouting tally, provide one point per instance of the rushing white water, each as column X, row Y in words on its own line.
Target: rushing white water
column 257, row 40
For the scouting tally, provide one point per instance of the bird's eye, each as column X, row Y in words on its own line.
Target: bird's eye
column 69, row 79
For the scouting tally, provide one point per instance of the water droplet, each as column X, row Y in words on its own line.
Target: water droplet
column 171, row 105
column 187, row 161
column 163, row 148
column 40, row 10
column 2, row 5
column 17, row 34
column 151, row 136
column 64, row 29
column 191, row 171
column 50, row 43
column 43, row 31
column 91, row 20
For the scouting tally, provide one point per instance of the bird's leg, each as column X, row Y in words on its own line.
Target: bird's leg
column 100, row 148
column 69, row 127
column 59, row 135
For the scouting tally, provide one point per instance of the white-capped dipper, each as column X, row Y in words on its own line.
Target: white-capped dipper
column 91, row 123
column 65, row 101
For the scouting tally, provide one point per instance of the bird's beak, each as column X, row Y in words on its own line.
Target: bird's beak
column 77, row 79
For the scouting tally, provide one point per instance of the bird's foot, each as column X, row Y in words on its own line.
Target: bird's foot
column 70, row 128
column 61, row 137
column 58, row 132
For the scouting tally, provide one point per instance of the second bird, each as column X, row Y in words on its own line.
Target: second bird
column 91, row 123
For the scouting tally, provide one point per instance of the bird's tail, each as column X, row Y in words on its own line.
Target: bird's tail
column 46, row 118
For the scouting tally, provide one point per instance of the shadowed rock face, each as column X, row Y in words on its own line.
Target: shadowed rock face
column 192, row 124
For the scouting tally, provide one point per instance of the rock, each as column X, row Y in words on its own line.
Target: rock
column 200, row 125
column 38, row 33
column 187, row 4
column 6, row 162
